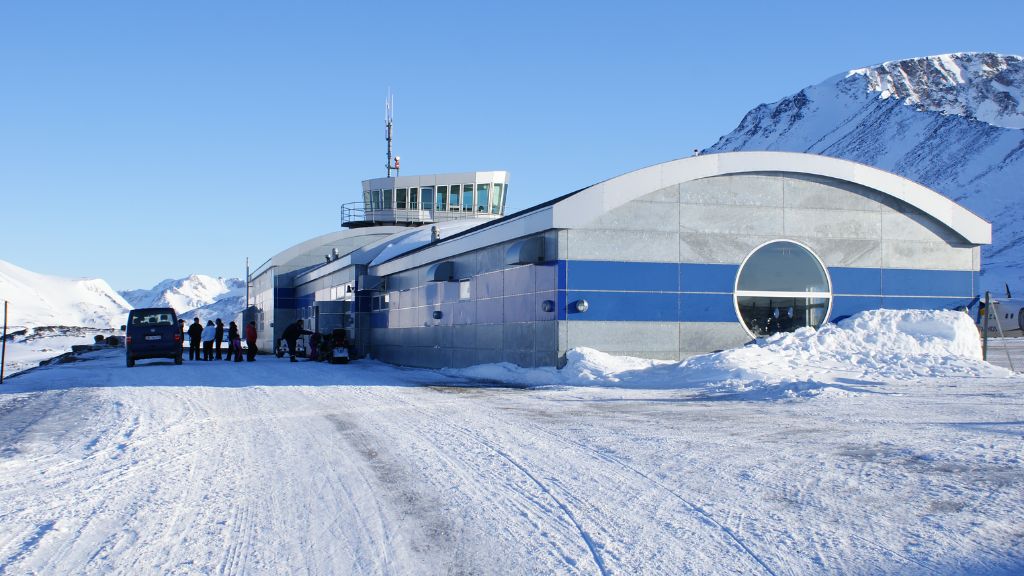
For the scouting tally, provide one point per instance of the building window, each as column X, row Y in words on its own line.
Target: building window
column 464, row 289
column 414, row 199
column 376, row 200
column 442, row 197
column 388, row 200
column 453, row 202
column 467, row 197
column 481, row 197
column 400, row 198
column 496, row 199
column 427, row 196
column 780, row 287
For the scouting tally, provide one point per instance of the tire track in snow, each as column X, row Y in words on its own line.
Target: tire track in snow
column 697, row 509
column 559, row 504
column 700, row 510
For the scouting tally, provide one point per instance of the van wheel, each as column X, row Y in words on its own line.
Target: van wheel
column 131, row 362
column 177, row 359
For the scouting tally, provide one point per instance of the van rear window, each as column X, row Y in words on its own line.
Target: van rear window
column 152, row 320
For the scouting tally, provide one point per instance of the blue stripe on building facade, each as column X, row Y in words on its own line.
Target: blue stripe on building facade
column 626, row 291
column 650, row 292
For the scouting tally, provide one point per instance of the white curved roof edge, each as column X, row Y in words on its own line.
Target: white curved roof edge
column 599, row 198
column 581, row 207
column 284, row 257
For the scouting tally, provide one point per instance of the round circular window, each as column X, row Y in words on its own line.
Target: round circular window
column 780, row 287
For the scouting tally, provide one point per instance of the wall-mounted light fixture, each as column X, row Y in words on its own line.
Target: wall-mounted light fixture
column 437, row 315
column 548, row 305
column 581, row 305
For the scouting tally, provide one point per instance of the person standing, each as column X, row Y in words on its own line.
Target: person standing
column 219, row 337
column 291, row 336
column 209, row 334
column 181, row 330
column 195, row 336
column 250, row 341
column 234, row 343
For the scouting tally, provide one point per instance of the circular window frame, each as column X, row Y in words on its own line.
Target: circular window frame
column 739, row 271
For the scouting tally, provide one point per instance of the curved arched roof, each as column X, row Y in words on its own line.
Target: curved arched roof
column 582, row 206
column 592, row 201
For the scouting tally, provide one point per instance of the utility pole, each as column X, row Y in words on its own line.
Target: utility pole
column 3, row 346
column 246, row 281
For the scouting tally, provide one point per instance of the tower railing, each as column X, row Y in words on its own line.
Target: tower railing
column 355, row 214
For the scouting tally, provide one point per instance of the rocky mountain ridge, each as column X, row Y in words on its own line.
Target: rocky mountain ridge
column 954, row 123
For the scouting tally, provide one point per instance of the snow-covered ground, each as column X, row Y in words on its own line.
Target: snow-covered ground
column 27, row 347
column 831, row 452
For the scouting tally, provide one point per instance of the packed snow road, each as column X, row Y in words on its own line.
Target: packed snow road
column 273, row 467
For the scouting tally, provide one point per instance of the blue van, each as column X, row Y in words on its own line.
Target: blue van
column 152, row 333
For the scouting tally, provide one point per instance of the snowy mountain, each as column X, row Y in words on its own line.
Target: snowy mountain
column 197, row 295
column 41, row 300
column 954, row 123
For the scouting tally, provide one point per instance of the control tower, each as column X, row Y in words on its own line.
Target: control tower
column 416, row 200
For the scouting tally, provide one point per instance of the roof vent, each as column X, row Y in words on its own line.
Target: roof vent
column 526, row 251
column 441, row 272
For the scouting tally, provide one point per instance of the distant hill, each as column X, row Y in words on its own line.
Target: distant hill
column 196, row 295
column 954, row 123
column 41, row 300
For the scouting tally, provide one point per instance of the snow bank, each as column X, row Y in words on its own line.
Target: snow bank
column 851, row 357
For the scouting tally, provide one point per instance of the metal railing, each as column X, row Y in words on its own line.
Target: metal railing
column 408, row 212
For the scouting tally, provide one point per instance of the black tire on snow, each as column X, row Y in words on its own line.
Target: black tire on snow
column 131, row 362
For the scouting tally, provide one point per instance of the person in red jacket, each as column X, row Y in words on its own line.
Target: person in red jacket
column 250, row 341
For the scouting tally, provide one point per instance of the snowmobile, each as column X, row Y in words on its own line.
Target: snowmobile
column 339, row 347
column 282, row 348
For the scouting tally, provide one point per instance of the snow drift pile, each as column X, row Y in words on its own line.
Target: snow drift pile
column 861, row 352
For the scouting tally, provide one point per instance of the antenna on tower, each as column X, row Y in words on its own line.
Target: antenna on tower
column 389, row 108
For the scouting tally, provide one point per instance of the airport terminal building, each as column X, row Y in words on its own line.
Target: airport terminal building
column 677, row 259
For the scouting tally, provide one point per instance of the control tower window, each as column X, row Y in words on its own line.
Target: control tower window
column 496, row 199
column 453, row 199
column 780, row 287
column 389, row 200
column 467, row 197
column 481, row 197
column 414, row 199
column 400, row 198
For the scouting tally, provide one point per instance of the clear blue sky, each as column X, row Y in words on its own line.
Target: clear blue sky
column 147, row 140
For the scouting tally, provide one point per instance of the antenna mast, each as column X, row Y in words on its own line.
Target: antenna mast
column 389, row 107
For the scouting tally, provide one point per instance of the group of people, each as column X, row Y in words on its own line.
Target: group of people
column 211, row 337
column 320, row 345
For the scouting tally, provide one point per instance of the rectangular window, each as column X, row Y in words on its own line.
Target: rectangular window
column 464, row 289
column 367, row 200
column 481, row 197
column 388, row 200
column 467, row 198
column 427, row 195
column 454, row 198
column 504, row 197
column 376, row 200
column 442, row 198
column 496, row 199
column 414, row 200
column 400, row 198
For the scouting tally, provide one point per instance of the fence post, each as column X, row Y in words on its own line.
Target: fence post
column 984, row 327
column 3, row 346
